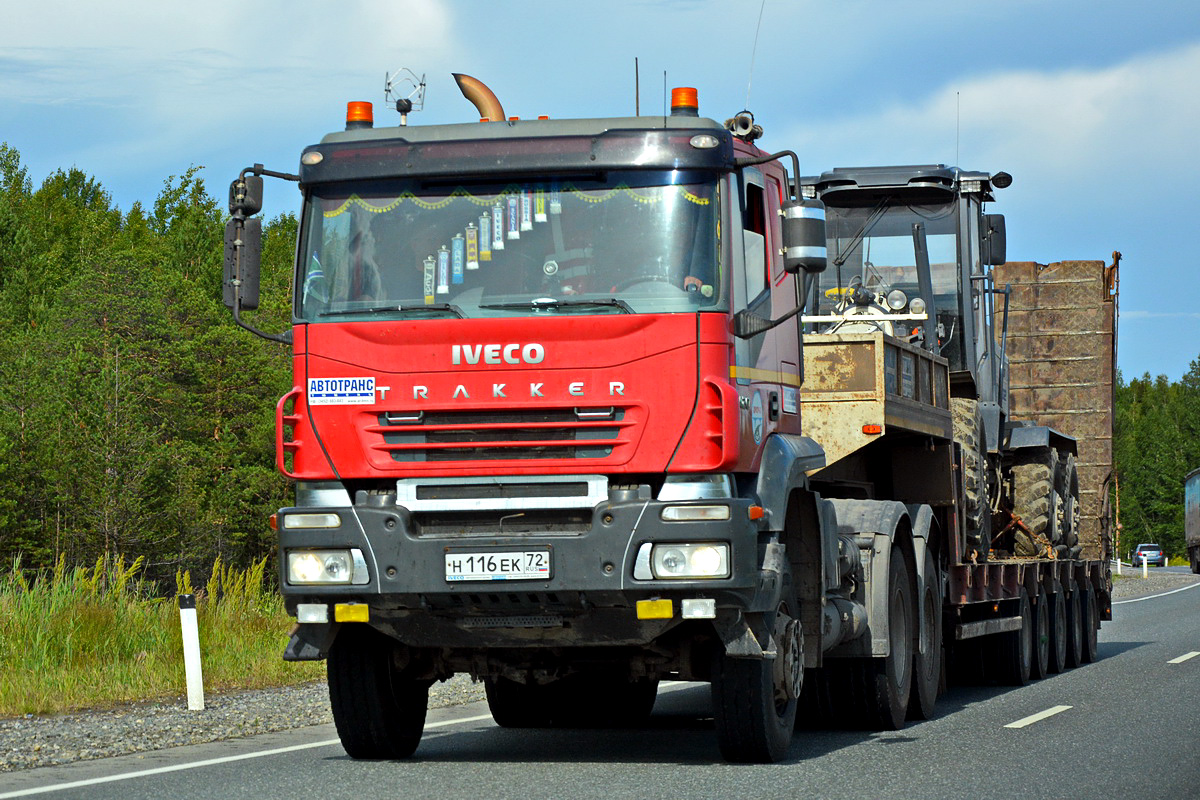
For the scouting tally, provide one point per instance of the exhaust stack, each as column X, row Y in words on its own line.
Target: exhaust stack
column 480, row 96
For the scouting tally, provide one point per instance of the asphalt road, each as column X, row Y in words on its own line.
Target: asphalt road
column 1126, row 726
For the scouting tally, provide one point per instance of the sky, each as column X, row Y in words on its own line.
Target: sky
column 1092, row 106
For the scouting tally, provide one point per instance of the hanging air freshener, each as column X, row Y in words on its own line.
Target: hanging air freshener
column 526, row 210
column 485, row 237
column 498, row 225
column 443, row 282
column 472, row 246
column 539, row 205
column 430, row 277
column 458, row 258
column 514, row 217
column 555, row 198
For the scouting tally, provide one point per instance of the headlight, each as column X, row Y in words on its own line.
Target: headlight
column 916, row 305
column 690, row 561
column 897, row 300
column 326, row 567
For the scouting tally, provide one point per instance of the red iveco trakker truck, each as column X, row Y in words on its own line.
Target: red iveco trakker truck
column 546, row 430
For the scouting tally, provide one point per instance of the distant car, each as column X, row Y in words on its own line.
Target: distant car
column 1152, row 553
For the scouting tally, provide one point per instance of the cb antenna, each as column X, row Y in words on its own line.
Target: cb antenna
column 754, row 50
column 395, row 86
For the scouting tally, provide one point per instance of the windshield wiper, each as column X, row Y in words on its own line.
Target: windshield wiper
column 550, row 303
column 413, row 309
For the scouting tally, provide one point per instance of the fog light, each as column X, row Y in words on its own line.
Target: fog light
column 690, row 561
column 698, row 608
column 312, row 612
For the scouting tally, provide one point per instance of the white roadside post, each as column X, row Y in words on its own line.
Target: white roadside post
column 1145, row 567
column 191, row 652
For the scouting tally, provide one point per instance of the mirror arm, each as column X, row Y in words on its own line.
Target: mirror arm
column 283, row 338
column 259, row 169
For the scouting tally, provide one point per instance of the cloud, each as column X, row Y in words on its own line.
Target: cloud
column 1064, row 122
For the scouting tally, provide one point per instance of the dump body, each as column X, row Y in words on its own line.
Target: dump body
column 1062, row 321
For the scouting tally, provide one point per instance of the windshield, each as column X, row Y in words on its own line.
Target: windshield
column 873, row 247
column 642, row 243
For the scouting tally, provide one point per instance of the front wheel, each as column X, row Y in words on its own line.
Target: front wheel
column 378, row 711
column 754, row 700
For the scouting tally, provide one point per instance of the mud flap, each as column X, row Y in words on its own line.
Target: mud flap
column 310, row 642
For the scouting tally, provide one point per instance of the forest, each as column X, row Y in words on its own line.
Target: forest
column 137, row 419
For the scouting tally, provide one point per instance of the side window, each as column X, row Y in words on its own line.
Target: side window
column 754, row 234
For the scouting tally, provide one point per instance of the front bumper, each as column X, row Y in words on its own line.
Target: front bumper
column 589, row 598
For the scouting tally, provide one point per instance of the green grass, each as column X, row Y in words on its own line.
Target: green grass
column 84, row 637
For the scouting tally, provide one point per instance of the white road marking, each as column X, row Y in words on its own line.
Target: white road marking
column 1152, row 596
column 1038, row 717
column 208, row 762
column 1184, row 657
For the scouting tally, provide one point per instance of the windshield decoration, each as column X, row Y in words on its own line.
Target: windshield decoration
column 645, row 244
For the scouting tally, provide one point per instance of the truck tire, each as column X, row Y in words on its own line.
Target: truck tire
column 1012, row 652
column 882, row 687
column 1194, row 555
column 754, row 716
column 928, row 666
column 1074, row 629
column 1040, row 665
column 519, row 705
column 1067, row 484
column 1058, row 632
column 1091, row 626
column 1035, row 496
column 968, row 432
column 378, row 712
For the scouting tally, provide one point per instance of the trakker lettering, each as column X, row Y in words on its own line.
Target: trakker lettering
column 495, row 390
column 497, row 354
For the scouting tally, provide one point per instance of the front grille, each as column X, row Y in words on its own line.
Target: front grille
column 503, row 435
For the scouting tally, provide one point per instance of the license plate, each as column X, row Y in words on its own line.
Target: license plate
column 517, row 565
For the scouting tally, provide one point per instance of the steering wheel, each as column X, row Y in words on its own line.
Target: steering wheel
column 625, row 284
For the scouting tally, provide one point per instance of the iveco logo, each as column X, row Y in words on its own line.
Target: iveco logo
column 497, row 354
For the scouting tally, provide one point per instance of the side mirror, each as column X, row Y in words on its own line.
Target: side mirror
column 243, row 256
column 993, row 240
column 245, row 195
column 804, row 236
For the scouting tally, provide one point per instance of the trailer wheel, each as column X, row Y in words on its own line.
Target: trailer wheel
column 378, row 712
column 1058, row 631
column 884, row 685
column 1091, row 623
column 927, row 666
column 1012, row 652
column 519, row 705
column 1040, row 665
column 968, row 432
column 754, row 714
column 1074, row 629
column 1035, row 497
